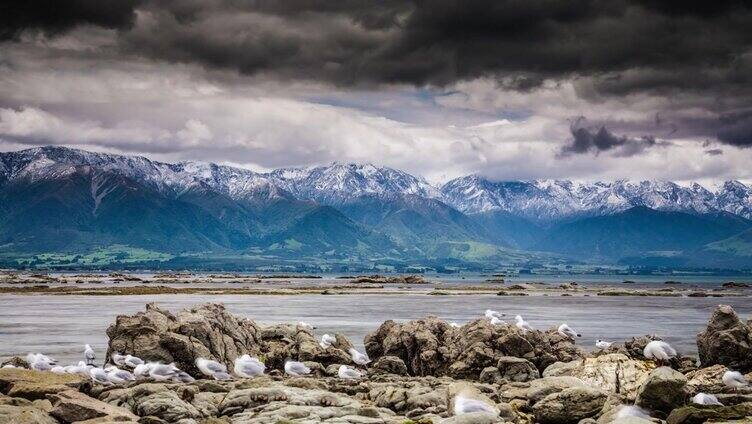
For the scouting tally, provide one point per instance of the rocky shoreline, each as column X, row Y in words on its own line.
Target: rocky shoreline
column 122, row 284
column 418, row 372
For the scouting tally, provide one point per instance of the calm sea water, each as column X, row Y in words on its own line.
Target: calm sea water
column 60, row 325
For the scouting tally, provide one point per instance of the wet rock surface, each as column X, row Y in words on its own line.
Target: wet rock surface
column 418, row 372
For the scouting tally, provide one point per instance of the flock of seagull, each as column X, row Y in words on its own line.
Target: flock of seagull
column 125, row 368
column 247, row 366
column 658, row 350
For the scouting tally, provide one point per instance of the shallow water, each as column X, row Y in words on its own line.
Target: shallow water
column 60, row 325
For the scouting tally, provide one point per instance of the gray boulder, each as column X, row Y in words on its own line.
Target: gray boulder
column 570, row 405
column 431, row 347
column 726, row 341
column 664, row 390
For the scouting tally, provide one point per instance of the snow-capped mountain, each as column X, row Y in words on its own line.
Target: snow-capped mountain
column 339, row 183
column 549, row 200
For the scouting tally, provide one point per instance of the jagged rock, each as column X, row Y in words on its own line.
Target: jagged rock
column 614, row 373
column 726, row 340
column 71, row 406
column 167, row 406
column 390, row 365
column 706, row 380
column 24, row 414
column 29, row 384
column 490, row 375
column 420, row 344
column 209, row 331
column 517, row 369
column 430, row 346
column 473, row 418
column 570, row 405
column 698, row 414
column 663, row 390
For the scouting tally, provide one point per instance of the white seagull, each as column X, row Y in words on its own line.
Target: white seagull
column 118, row 376
column 633, row 411
column 162, row 372
column 359, row 358
column 567, row 331
column 466, row 405
column 327, row 340
column 490, row 314
column 455, row 325
column 296, row 369
column 659, row 351
column 348, row 373
column 100, row 376
column 734, row 379
column 89, row 355
column 183, row 377
column 522, row 324
column 248, row 367
column 705, row 399
column 602, row 344
column 211, row 368
column 142, row 370
column 118, row 359
column 132, row 361
column 40, row 362
column 306, row 325
column 80, row 369
column 497, row 321
column 57, row 369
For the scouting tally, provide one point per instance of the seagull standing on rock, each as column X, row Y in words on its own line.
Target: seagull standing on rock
column 522, row 324
column 248, row 367
column 327, row 341
column 359, row 358
column 348, row 373
column 296, row 369
column 734, row 379
column 659, row 351
column 89, row 355
column 567, row 331
column 705, row 399
column 601, row 344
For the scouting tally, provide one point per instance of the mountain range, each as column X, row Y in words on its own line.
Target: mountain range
column 57, row 199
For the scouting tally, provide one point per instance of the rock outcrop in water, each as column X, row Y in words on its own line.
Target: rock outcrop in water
column 209, row 331
column 418, row 370
column 726, row 341
column 430, row 346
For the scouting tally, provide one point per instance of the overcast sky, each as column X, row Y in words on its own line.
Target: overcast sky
column 520, row 89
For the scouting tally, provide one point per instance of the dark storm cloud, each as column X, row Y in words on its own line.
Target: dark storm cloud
column 596, row 140
column 699, row 54
column 56, row 16
column 421, row 42
column 736, row 129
